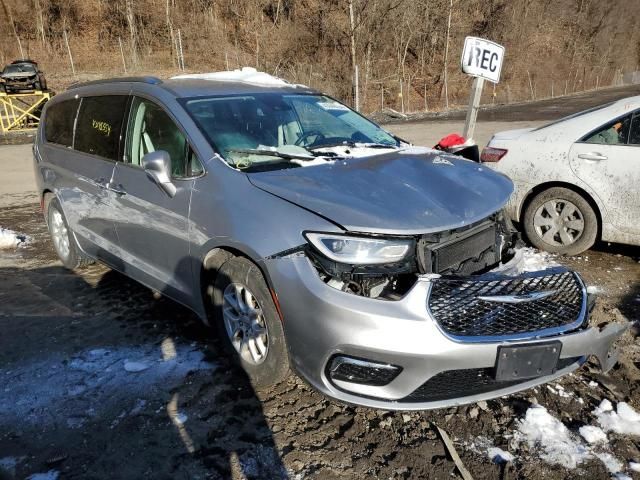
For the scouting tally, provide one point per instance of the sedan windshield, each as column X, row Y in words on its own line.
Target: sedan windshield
column 16, row 69
column 275, row 130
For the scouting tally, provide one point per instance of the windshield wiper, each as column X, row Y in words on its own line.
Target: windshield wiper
column 272, row 153
column 351, row 143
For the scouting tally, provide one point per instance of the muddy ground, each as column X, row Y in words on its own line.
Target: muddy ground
column 99, row 379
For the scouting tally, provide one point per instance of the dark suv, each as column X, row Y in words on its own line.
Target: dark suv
column 22, row 75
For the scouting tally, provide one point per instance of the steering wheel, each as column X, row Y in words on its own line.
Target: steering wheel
column 318, row 134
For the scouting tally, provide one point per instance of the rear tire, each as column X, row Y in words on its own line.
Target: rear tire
column 248, row 323
column 64, row 242
column 560, row 220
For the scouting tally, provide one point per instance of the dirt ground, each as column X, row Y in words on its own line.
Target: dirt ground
column 99, row 379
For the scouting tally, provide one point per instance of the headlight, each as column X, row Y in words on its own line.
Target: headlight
column 360, row 250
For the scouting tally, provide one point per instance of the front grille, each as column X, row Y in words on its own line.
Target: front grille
column 455, row 305
column 463, row 383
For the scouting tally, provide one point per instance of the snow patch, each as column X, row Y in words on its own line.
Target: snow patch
column 593, row 434
column 612, row 463
column 542, row 430
column 634, row 466
column 245, row 75
column 412, row 150
column 526, row 259
column 497, row 455
column 623, row 421
column 55, row 383
column 11, row 239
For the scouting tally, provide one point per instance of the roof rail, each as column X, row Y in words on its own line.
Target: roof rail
column 148, row 79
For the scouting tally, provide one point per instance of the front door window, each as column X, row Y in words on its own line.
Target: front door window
column 152, row 129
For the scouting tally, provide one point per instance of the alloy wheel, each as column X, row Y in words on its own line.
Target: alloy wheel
column 245, row 324
column 59, row 234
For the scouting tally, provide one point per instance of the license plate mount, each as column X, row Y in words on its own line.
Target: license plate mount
column 520, row 362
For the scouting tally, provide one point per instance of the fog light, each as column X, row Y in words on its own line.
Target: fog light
column 363, row 372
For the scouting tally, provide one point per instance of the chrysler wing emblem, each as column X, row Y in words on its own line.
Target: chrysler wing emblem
column 525, row 297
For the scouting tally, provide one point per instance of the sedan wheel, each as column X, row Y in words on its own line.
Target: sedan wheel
column 560, row 220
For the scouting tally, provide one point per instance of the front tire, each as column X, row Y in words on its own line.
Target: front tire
column 560, row 220
column 248, row 323
column 62, row 237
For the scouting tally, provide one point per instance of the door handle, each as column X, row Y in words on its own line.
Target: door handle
column 592, row 156
column 117, row 189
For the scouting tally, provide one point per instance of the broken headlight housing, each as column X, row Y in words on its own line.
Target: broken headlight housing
column 360, row 250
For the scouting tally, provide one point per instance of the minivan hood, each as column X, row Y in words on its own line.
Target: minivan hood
column 399, row 193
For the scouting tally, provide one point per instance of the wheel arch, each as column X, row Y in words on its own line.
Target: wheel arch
column 531, row 194
column 213, row 258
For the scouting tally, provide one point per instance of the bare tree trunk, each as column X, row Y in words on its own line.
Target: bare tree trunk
column 9, row 17
column 66, row 41
column 40, row 25
column 352, row 38
column 446, row 56
column 124, row 63
column 172, row 38
column 132, row 32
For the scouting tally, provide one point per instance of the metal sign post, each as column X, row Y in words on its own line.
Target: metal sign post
column 481, row 59
column 474, row 106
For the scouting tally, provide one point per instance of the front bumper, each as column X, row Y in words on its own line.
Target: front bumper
column 320, row 322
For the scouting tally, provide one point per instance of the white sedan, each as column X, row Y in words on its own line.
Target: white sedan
column 577, row 179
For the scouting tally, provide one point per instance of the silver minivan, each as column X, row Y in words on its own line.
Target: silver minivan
column 310, row 238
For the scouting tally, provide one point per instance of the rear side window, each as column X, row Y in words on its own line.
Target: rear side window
column 99, row 125
column 58, row 126
column 613, row 133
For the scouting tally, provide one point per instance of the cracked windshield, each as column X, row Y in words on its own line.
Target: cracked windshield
column 272, row 130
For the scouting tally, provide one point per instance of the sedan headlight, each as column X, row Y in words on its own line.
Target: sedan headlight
column 360, row 250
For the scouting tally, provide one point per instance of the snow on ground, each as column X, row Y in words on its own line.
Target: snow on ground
column 559, row 446
column 497, row 455
column 623, row 421
column 45, row 389
column 246, row 74
column 527, row 260
column 593, row 434
column 612, row 463
column 556, row 444
column 11, row 239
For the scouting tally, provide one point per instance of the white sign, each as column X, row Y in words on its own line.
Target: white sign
column 482, row 58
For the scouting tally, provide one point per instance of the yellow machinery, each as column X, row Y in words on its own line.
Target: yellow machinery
column 21, row 111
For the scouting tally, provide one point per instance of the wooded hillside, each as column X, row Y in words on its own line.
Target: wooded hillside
column 407, row 51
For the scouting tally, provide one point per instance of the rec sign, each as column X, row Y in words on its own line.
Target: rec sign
column 482, row 58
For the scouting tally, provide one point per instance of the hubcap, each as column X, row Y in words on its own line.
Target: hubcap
column 245, row 324
column 558, row 222
column 59, row 234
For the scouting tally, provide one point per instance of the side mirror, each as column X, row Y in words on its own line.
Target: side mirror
column 158, row 167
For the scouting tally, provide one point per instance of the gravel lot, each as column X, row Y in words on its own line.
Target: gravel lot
column 99, row 379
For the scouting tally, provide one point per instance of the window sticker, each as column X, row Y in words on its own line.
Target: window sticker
column 332, row 106
column 102, row 127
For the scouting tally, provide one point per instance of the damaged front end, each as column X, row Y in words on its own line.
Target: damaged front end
column 470, row 250
column 433, row 320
